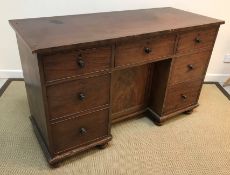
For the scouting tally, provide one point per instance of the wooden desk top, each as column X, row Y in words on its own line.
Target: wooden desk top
column 53, row 32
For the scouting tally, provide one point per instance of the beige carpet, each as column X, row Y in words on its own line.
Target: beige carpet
column 194, row 144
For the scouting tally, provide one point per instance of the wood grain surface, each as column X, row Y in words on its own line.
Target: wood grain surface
column 50, row 32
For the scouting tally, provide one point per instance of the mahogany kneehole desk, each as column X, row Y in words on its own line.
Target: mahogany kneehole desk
column 84, row 72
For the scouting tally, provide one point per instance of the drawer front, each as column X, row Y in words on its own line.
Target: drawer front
column 198, row 39
column 70, row 64
column 80, row 130
column 144, row 49
column 181, row 96
column 189, row 67
column 75, row 96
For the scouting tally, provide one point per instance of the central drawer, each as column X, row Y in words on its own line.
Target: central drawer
column 80, row 130
column 137, row 51
column 79, row 95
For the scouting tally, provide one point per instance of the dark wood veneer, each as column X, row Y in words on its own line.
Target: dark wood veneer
column 78, row 95
column 181, row 96
column 144, row 49
column 84, row 72
column 188, row 67
column 34, row 90
column 75, row 63
column 80, row 130
column 191, row 40
column 56, row 32
column 129, row 89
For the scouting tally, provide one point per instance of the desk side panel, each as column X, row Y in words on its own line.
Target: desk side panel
column 33, row 85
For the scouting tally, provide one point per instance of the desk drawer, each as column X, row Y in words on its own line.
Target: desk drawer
column 80, row 130
column 203, row 38
column 138, row 51
column 74, row 63
column 189, row 67
column 79, row 95
column 182, row 95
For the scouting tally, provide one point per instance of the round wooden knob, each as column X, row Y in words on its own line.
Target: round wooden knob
column 190, row 66
column 147, row 50
column 83, row 131
column 184, row 96
column 81, row 96
column 81, row 63
column 197, row 40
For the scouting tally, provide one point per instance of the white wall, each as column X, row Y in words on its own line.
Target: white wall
column 12, row 9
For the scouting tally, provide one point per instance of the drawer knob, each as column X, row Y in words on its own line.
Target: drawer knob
column 197, row 40
column 184, row 97
column 83, row 131
column 81, row 96
column 81, row 63
column 191, row 67
column 147, row 50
